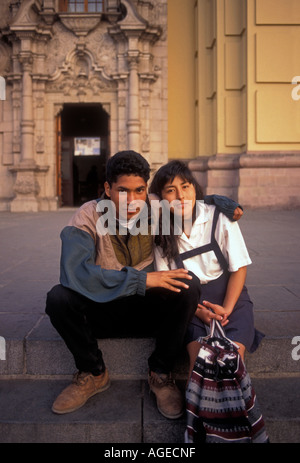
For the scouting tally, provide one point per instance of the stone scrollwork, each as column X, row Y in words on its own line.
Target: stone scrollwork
column 4, row 59
column 40, row 142
column 26, row 185
column 80, row 73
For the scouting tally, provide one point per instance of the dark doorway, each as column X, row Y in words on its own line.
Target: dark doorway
column 83, row 150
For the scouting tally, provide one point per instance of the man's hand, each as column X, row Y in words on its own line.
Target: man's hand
column 238, row 212
column 168, row 279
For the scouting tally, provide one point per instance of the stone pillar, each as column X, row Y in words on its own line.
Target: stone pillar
column 26, row 187
column 27, row 124
column 133, row 122
column 134, row 37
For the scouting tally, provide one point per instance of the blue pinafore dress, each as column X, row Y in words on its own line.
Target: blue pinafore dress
column 241, row 321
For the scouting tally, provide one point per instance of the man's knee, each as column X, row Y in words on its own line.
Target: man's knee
column 190, row 297
column 194, row 287
column 195, row 282
column 56, row 298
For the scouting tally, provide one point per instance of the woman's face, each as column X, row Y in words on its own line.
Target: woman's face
column 184, row 195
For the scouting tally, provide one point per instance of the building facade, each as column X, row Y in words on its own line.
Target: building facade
column 234, row 97
column 212, row 82
column 84, row 79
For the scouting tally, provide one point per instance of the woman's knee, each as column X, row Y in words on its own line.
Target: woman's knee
column 192, row 349
column 242, row 349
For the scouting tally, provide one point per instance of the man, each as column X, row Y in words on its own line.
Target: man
column 108, row 287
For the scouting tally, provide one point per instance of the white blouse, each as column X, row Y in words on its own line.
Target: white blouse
column 206, row 266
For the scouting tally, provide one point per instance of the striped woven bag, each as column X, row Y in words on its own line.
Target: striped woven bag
column 221, row 403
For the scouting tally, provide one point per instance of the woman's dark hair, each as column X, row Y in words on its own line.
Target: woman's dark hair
column 127, row 163
column 166, row 174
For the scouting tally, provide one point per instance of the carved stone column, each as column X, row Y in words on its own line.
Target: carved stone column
column 26, row 187
column 27, row 123
column 134, row 37
column 29, row 27
column 133, row 122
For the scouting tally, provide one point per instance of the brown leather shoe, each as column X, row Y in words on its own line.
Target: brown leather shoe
column 168, row 397
column 84, row 386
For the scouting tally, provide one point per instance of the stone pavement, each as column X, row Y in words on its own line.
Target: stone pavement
column 34, row 363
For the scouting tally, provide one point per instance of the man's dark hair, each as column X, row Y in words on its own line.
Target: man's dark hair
column 127, row 163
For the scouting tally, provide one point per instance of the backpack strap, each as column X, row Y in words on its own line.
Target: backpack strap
column 215, row 244
column 212, row 246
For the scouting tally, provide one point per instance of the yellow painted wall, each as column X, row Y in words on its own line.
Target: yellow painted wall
column 206, row 78
column 231, row 64
column 206, row 66
column 221, row 76
column 273, row 61
column 181, row 79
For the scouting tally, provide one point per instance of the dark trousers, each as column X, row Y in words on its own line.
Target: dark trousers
column 160, row 313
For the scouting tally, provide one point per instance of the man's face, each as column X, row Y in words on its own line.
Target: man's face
column 129, row 193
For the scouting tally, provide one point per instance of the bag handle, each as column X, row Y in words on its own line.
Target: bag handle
column 214, row 327
column 217, row 330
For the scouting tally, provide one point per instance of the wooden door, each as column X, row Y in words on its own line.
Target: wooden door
column 58, row 160
column 67, row 152
column 64, row 166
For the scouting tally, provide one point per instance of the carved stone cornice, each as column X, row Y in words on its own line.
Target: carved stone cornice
column 80, row 23
column 48, row 12
column 134, row 25
column 28, row 166
column 26, row 60
column 132, row 57
column 246, row 160
column 148, row 77
column 28, row 23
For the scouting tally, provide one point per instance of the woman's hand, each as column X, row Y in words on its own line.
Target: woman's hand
column 234, row 288
column 217, row 311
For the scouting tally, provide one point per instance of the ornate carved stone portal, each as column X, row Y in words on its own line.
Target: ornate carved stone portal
column 116, row 59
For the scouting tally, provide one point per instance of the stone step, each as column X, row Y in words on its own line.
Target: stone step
column 43, row 353
column 126, row 413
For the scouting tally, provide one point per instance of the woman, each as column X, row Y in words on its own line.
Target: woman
column 213, row 248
